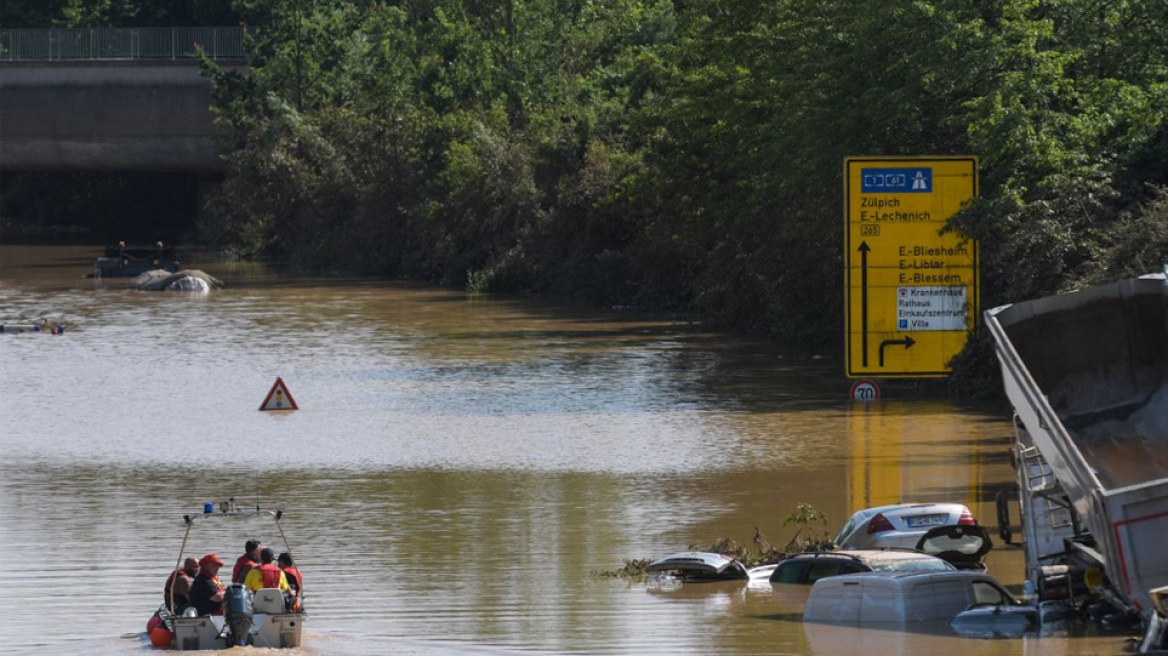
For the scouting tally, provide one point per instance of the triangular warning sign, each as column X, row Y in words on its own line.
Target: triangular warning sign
column 278, row 398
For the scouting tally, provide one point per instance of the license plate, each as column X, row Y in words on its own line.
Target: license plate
column 925, row 520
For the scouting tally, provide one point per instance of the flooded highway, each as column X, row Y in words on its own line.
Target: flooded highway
column 458, row 472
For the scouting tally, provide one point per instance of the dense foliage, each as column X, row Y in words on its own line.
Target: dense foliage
column 682, row 154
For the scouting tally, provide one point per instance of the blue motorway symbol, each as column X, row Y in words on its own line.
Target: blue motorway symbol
column 897, row 181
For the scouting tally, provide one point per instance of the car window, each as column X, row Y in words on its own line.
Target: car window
column 985, row 592
column 821, row 569
column 789, row 572
column 934, row 598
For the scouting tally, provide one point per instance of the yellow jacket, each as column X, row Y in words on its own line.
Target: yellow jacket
column 255, row 578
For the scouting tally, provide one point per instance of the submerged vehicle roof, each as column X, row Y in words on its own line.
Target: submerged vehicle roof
column 876, row 558
column 701, row 565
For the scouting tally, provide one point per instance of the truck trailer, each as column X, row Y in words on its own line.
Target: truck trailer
column 1087, row 375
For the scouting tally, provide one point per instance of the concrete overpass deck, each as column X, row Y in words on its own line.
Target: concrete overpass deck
column 75, row 107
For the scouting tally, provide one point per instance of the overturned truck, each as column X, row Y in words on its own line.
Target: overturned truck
column 1087, row 375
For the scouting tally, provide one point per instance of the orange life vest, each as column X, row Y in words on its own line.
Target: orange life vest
column 270, row 575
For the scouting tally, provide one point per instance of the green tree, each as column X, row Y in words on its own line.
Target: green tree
column 689, row 155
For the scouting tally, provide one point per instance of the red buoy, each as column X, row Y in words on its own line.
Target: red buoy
column 154, row 623
column 160, row 636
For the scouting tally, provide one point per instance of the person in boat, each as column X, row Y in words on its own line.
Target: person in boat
column 249, row 559
column 295, row 578
column 176, row 593
column 207, row 591
column 267, row 575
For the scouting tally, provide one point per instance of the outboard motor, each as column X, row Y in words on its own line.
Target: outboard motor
column 237, row 612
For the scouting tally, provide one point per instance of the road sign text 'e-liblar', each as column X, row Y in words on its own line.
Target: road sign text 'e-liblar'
column 910, row 290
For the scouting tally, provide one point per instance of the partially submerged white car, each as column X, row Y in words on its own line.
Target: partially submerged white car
column 900, row 525
column 183, row 280
column 697, row 566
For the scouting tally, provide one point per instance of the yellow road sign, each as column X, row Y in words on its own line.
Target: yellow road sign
column 911, row 293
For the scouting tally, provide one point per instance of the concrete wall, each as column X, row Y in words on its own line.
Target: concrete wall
column 110, row 116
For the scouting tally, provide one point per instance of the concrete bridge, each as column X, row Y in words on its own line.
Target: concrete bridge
column 110, row 99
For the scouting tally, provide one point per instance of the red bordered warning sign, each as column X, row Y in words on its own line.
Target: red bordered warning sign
column 278, row 398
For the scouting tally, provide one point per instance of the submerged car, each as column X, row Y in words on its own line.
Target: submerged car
column 900, row 525
column 696, row 566
column 129, row 261
column 902, row 597
column 807, row 568
column 183, row 280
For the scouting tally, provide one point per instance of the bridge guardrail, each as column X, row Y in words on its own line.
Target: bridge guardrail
column 113, row 43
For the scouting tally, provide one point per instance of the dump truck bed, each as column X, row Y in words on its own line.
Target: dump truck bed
column 1087, row 374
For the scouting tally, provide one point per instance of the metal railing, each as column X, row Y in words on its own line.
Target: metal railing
column 114, row 43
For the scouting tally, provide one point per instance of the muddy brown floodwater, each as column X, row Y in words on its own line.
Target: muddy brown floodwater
column 458, row 468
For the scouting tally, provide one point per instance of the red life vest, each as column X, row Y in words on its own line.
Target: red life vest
column 243, row 565
column 270, row 575
column 293, row 575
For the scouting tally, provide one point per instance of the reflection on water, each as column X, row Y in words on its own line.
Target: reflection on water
column 457, row 471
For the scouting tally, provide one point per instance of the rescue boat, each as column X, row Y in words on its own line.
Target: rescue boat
column 265, row 619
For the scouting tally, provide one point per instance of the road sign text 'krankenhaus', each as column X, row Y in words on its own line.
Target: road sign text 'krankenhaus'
column 911, row 291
